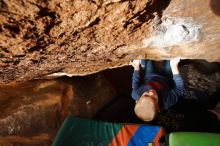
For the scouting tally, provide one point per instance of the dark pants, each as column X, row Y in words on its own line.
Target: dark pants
column 149, row 69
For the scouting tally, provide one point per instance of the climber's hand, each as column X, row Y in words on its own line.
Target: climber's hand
column 174, row 65
column 174, row 61
column 135, row 64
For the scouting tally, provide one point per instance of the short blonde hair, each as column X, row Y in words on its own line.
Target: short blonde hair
column 145, row 109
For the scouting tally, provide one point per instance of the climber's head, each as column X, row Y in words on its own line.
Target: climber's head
column 147, row 105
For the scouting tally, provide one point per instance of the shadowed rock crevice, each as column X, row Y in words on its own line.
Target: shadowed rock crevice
column 215, row 6
column 154, row 8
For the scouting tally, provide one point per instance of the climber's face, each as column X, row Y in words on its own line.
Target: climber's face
column 147, row 106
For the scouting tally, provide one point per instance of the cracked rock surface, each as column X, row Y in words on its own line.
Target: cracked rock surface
column 80, row 37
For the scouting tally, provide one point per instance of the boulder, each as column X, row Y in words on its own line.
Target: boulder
column 32, row 112
column 81, row 37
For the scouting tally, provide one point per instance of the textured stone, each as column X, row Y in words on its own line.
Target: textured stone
column 81, row 37
column 31, row 112
column 44, row 139
column 202, row 76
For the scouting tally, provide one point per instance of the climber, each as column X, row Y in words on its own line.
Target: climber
column 155, row 86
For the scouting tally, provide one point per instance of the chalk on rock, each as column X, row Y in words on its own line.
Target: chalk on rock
column 174, row 31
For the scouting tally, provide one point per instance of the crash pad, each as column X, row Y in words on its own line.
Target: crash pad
column 194, row 139
column 83, row 132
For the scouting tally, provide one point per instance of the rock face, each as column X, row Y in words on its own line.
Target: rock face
column 31, row 112
column 81, row 37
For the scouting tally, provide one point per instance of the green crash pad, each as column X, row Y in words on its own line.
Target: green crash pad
column 194, row 139
column 83, row 132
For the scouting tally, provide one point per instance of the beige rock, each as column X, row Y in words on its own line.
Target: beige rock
column 38, row 38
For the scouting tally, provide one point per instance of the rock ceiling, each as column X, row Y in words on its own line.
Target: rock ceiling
column 80, row 37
